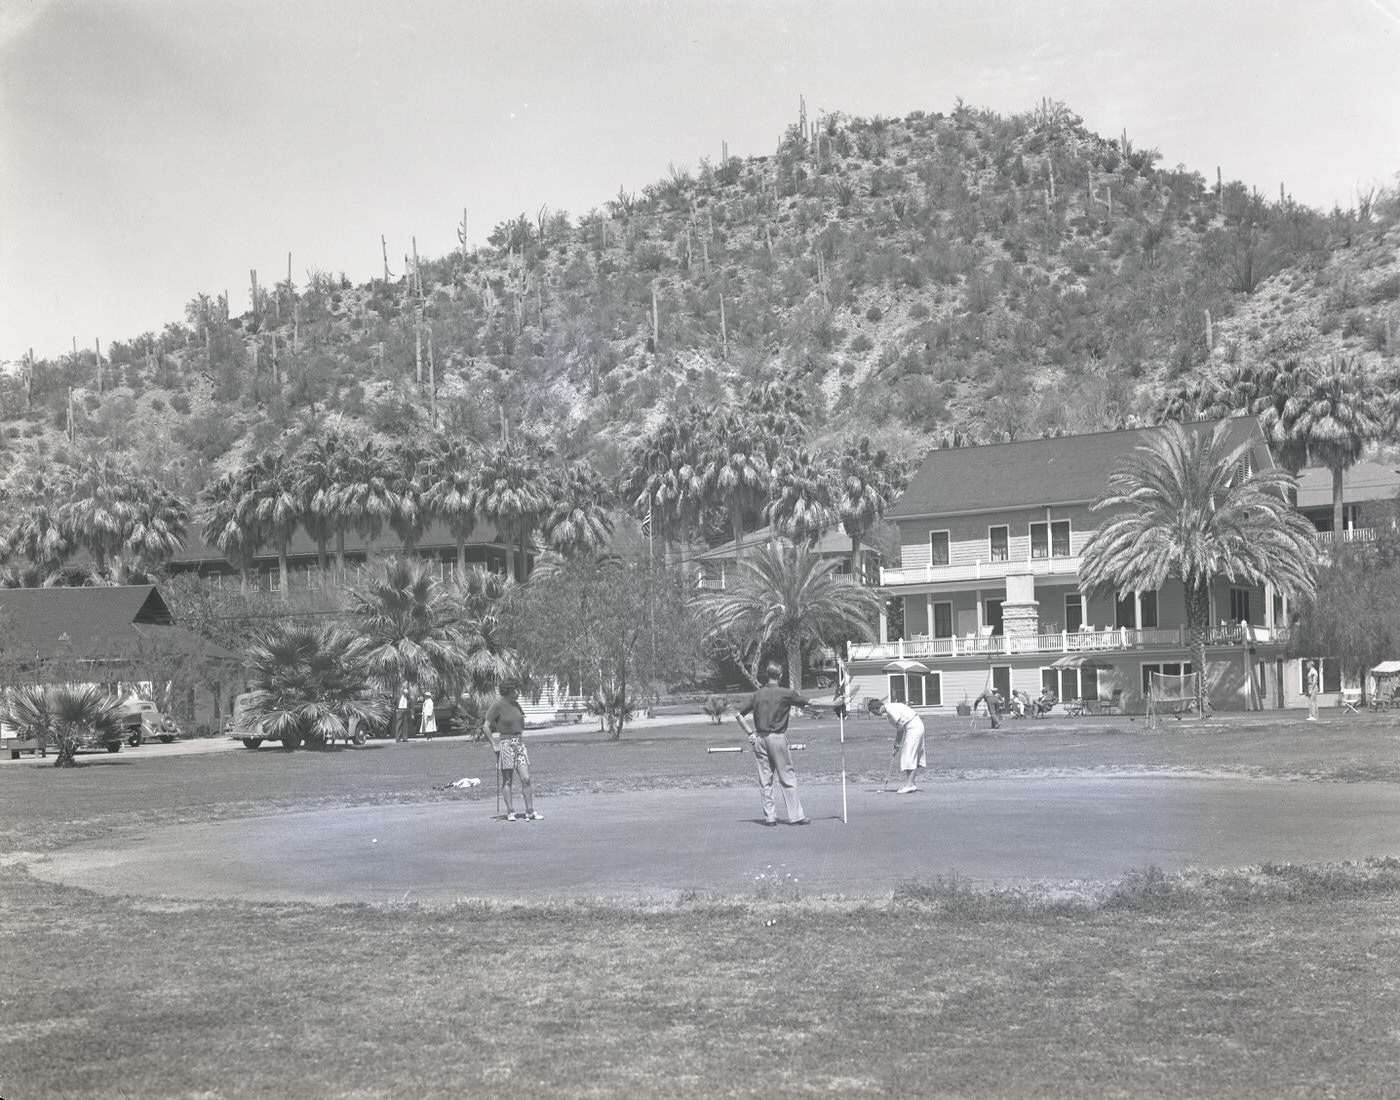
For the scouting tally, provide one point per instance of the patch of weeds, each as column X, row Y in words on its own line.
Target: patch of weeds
column 778, row 885
column 957, row 899
column 1149, row 891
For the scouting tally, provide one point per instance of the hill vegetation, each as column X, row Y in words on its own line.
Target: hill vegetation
column 922, row 281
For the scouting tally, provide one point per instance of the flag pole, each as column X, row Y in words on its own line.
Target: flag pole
column 841, row 689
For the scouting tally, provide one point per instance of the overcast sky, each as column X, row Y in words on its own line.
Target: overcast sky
column 154, row 149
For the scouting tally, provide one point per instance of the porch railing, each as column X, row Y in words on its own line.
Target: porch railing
column 1063, row 642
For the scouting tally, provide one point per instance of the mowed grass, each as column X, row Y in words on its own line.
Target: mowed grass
column 1275, row 982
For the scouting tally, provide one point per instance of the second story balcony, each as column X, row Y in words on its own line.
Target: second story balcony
column 980, row 570
column 1234, row 635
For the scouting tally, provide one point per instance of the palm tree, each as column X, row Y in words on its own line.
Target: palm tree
column 870, row 480
column 804, row 497
column 1335, row 411
column 101, row 496
column 663, row 483
column 513, row 492
column 364, row 497
column 37, row 531
column 1182, row 508
column 448, row 482
column 408, row 517
column 480, row 596
column 318, row 463
column 224, row 527
column 159, row 522
column 579, row 520
column 307, row 683
column 787, row 596
column 270, row 507
column 735, row 469
column 67, row 713
column 412, row 626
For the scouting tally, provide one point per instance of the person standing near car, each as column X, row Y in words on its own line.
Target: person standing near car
column 770, row 706
column 505, row 722
column 427, row 723
column 401, row 717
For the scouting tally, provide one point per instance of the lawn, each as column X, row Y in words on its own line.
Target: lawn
column 1269, row 982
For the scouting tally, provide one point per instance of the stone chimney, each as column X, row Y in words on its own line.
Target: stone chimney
column 1020, row 613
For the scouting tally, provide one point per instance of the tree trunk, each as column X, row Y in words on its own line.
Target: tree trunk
column 1197, row 627
column 792, row 644
column 282, row 578
column 1337, row 502
column 461, row 557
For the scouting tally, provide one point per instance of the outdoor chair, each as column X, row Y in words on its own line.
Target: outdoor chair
column 1351, row 700
column 1114, row 704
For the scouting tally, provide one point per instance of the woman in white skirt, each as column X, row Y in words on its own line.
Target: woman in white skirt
column 908, row 739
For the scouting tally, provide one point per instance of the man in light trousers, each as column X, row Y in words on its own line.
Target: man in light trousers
column 770, row 706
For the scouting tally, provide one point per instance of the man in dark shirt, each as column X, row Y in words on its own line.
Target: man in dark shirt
column 767, row 730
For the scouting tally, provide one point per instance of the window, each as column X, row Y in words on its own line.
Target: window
column 1074, row 611
column 1331, row 672
column 1050, row 539
column 938, row 547
column 1171, row 668
column 1071, row 683
column 1126, row 612
column 1239, row 605
column 994, row 615
column 942, row 620
column 917, row 689
column 1147, row 601
column 999, row 539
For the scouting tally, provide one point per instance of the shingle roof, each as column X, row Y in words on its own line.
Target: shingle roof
column 92, row 622
column 1068, row 469
column 1364, row 481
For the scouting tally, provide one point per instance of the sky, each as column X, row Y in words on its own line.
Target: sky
column 151, row 150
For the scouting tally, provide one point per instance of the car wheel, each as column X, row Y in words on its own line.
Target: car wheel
column 252, row 742
column 114, row 746
column 360, row 737
column 166, row 738
column 135, row 739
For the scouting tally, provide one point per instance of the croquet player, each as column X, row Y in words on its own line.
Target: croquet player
column 908, row 739
column 764, row 718
column 505, row 722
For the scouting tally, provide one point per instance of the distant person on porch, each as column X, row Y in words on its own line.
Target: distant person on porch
column 1314, row 688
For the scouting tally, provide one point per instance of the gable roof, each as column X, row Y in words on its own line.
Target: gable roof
column 1067, row 469
column 94, row 623
column 1364, row 481
column 834, row 541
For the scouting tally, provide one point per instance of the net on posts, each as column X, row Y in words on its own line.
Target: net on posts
column 1171, row 694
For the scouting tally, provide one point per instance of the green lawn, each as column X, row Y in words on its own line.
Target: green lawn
column 1275, row 982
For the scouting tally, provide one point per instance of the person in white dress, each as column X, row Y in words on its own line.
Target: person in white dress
column 908, row 739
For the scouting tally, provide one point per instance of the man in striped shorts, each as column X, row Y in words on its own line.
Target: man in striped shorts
column 505, row 722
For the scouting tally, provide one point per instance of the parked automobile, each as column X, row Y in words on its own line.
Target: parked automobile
column 143, row 721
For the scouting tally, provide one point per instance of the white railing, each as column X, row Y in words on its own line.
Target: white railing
column 978, row 570
column 1062, row 642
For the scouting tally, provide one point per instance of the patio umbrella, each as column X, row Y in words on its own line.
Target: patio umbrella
column 1080, row 660
column 906, row 664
